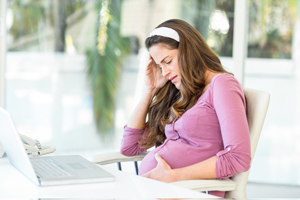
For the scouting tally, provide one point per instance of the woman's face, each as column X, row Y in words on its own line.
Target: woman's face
column 167, row 60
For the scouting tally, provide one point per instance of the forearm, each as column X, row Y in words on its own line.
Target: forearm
column 202, row 170
column 138, row 117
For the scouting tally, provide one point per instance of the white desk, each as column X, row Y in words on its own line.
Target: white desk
column 14, row 185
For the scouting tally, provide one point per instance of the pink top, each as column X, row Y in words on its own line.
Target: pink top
column 215, row 125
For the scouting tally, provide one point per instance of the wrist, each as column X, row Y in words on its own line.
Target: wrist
column 151, row 92
column 175, row 173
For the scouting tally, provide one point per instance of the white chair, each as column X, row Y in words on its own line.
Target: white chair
column 235, row 187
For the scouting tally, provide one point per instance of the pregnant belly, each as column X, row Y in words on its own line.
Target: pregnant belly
column 177, row 153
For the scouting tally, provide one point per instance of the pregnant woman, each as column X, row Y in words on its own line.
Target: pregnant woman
column 193, row 111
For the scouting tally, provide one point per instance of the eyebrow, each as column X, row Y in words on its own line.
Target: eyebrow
column 163, row 59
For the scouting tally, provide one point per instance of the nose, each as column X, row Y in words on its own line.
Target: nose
column 165, row 71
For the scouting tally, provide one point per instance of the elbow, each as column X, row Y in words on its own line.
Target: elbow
column 127, row 149
column 242, row 166
column 244, row 160
column 125, row 152
column 241, row 162
column 247, row 165
column 232, row 163
column 131, row 150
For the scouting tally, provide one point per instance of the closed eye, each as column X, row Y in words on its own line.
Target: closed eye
column 169, row 62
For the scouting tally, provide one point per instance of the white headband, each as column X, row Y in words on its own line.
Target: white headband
column 165, row 32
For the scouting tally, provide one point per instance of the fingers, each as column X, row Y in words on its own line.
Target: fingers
column 146, row 175
column 149, row 62
column 152, row 67
column 151, row 59
column 158, row 157
column 161, row 162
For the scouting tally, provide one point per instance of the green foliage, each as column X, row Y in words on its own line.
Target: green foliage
column 199, row 12
column 28, row 14
column 271, row 28
column 104, row 64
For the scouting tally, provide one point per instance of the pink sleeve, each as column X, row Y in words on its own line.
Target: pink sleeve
column 230, row 106
column 131, row 142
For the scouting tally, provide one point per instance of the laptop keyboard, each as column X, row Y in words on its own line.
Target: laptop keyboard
column 46, row 167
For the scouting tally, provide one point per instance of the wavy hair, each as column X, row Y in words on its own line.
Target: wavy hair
column 195, row 57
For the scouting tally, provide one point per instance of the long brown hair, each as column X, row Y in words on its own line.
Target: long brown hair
column 195, row 57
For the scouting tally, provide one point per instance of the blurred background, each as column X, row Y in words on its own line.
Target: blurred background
column 74, row 72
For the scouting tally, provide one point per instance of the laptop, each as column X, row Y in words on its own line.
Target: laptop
column 47, row 170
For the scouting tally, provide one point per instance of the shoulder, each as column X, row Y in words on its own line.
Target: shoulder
column 225, row 82
column 226, row 89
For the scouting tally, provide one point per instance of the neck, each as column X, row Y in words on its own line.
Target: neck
column 208, row 76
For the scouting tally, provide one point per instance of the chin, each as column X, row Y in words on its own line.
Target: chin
column 177, row 86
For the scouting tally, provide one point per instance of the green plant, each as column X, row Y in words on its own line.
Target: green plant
column 104, row 63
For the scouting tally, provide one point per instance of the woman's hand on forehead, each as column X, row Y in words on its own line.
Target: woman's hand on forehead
column 153, row 76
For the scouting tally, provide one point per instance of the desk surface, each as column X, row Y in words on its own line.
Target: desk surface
column 14, row 185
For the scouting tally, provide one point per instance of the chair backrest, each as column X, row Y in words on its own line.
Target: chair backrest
column 257, row 103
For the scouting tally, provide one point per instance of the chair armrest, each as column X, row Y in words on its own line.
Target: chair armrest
column 114, row 157
column 197, row 185
column 208, row 185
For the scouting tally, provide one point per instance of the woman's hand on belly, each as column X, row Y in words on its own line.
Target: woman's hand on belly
column 162, row 172
column 201, row 170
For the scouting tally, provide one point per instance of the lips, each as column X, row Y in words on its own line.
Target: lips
column 171, row 79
